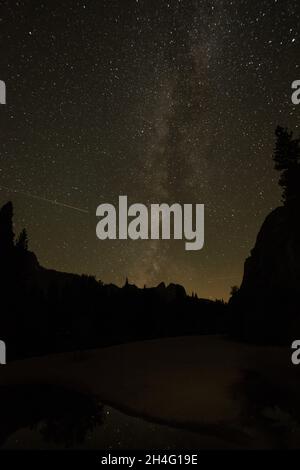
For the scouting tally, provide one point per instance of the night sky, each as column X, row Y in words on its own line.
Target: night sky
column 163, row 101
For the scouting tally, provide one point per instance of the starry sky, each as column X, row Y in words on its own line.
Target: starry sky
column 164, row 101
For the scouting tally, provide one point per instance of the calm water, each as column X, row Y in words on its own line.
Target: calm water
column 119, row 431
column 44, row 417
column 50, row 417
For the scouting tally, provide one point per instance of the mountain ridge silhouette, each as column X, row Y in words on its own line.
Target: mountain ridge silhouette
column 45, row 310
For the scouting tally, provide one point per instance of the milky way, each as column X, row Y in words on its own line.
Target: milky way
column 161, row 101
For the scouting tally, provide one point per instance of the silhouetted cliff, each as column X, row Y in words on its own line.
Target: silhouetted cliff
column 267, row 305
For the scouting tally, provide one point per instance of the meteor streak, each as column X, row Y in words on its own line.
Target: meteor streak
column 51, row 201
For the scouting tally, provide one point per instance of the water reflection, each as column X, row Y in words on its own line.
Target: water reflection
column 50, row 417
column 60, row 416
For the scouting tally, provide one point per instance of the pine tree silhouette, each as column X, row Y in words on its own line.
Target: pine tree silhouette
column 287, row 160
column 22, row 241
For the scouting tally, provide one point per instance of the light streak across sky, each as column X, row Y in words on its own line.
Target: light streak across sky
column 40, row 198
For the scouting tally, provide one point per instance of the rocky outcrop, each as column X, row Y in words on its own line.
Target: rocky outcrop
column 267, row 305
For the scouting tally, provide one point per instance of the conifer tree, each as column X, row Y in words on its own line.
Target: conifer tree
column 287, row 160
